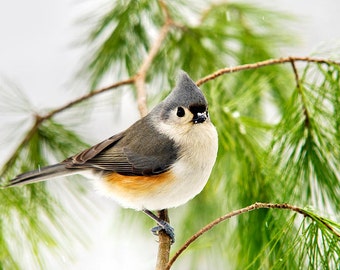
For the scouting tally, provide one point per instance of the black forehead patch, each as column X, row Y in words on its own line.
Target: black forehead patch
column 197, row 108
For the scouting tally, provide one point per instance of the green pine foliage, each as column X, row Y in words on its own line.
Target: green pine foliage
column 29, row 216
column 278, row 136
column 306, row 148
column 115, row 48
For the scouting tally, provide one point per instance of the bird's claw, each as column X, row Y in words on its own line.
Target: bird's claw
column 167, row 229
column 162, row 225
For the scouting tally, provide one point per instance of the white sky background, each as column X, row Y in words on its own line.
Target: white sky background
column 36, row 54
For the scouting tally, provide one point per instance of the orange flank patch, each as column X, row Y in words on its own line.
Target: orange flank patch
column 138, row 185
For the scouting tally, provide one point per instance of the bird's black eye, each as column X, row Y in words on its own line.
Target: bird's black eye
column 180, row 112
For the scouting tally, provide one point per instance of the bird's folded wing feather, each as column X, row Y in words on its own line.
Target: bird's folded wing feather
column 125, row 159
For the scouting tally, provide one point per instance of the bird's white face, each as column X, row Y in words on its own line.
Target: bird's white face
column 182, row 120
column 180, row 116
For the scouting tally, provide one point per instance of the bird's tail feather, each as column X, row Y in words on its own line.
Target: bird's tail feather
column 41, row 175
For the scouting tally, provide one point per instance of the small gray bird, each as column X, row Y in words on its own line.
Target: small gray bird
column 162, row 161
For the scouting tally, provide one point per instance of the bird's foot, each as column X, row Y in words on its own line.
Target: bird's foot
column 167, row 229
column 162, row 225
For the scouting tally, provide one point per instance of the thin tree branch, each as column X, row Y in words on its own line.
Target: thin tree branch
column 265, row 63
column 299, row 88
column 249, row 208
column 141, row 74
column 164, row 244
column 296, row 74
column 87, row 96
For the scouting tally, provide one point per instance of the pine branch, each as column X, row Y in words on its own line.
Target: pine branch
column 87, row 96
column 265, row 63
column 249, row 208
column 139, row 79
column 164, row 244
column 299, row 88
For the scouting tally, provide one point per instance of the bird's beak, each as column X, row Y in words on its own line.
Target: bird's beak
column 199, row 117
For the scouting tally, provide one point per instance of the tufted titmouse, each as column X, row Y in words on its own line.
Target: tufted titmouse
column 161, row 161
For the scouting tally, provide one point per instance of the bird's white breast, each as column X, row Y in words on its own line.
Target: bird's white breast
column 198, row 150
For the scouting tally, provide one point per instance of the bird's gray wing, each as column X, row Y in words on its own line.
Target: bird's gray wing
column 88, row 154
column 129, row 153
column 126, row 162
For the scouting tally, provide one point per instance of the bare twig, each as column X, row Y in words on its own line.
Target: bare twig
column 164, row 244
column 87, row 96
column 265, row 63
column 296, row 74
column 249, row 208
column 300, row 90
column 141, row 74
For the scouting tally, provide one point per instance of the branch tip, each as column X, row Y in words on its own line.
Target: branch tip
column 257, row 205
